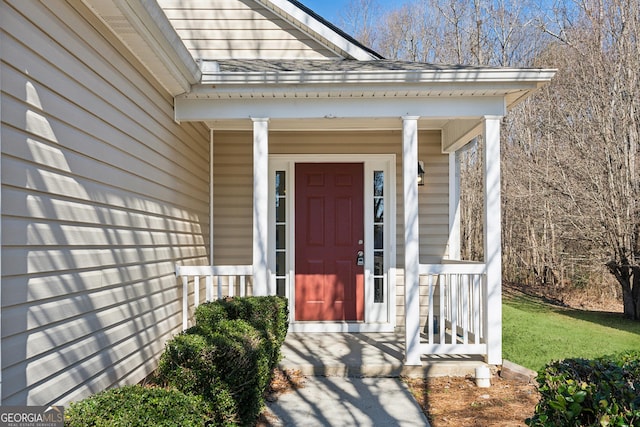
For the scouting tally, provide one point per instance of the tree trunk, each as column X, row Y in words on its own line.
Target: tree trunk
column 635, row 292
column 629, row 279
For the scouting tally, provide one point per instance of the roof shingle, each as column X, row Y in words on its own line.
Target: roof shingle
column 276, row 66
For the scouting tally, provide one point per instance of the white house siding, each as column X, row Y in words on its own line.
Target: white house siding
column 233, row 194
column 102, row 193
column 239, row 29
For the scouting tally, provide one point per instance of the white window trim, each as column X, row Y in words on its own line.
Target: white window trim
column 385, row 319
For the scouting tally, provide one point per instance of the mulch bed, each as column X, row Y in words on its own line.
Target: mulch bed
column 454, row 401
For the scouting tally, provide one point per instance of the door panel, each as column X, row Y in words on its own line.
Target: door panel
column 329, row 234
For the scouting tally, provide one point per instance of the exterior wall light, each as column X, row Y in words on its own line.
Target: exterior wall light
column 420, row 172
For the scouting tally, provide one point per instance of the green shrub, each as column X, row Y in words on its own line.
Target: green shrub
column 134, row 406
column 229, row 368
column 228, row 357
column 209, row 315
column 263, row 313
column 218, row 371
column 582, row 392
column 190, row 364
column 269, row 315
column 243, row 361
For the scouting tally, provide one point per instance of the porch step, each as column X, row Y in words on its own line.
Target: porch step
column 365, row 355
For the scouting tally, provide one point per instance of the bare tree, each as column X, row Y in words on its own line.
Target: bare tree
column 592, row 118
column 571, row 185
column 359, row 18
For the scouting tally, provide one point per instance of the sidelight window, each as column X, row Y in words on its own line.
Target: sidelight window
column 281, row 233
column 378, row 237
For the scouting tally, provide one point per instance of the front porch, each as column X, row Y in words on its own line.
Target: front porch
column 404, row 271
column 452, row 325
column 366, row 355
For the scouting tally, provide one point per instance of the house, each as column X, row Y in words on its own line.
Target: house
column 248, row 140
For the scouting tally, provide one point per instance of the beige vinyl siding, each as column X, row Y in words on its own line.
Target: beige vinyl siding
column 102, row 193
column 433, row 200
column 233, row 194
column 239, row 29
column 232, row 198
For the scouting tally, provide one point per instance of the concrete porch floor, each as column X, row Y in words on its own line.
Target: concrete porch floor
column 366, row 355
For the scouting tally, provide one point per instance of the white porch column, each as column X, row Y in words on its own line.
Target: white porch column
column 260, row 205
column 411, row 240
column 211, row 230
column 454, row 205
column 492, row 238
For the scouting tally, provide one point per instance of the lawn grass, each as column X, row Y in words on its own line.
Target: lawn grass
column 536, row 332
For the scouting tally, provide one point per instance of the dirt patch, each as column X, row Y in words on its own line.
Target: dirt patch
column 284, row 381
column 453, row 401
column 447, row 401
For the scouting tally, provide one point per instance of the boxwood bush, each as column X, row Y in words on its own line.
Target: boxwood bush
column 213, row 374
column 191, row 364
column 269, row 315
column 582, row 392
column 243, row 363
column 227, row 358
column 138, row 406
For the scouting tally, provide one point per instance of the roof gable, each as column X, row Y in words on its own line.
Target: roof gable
column 258, row 29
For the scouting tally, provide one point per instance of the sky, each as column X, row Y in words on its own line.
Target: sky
column 332, row 10
column 328, row 9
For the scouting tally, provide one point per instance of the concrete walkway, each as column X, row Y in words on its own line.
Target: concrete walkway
column 343, row 401
column 352, row 380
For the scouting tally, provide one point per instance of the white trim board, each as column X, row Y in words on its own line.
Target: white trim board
column 340, row 327
column 189, row 109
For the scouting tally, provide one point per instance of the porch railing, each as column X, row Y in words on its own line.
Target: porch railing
column 236, row 276
column 456, row 297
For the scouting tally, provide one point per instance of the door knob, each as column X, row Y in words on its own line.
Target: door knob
column 360, row 258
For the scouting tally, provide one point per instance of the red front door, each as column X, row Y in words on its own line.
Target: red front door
column 329, row 280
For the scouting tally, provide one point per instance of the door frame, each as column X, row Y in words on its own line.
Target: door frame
column 378, row 317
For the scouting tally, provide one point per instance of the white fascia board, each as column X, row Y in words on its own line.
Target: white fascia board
column 153, row 25
column 154, row 30
column 189, row 109
column 211, row 75
column 316, row 29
